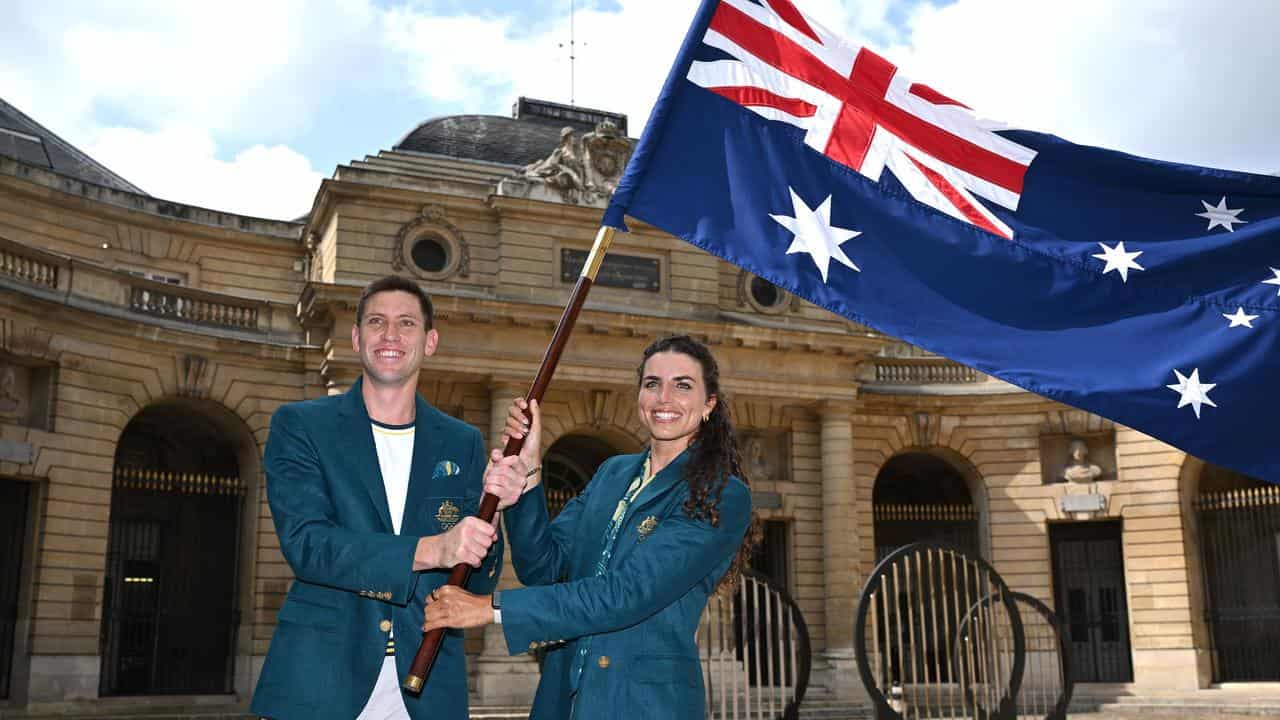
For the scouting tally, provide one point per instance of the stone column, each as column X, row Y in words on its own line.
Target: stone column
column 841, row 547
column 501, row 678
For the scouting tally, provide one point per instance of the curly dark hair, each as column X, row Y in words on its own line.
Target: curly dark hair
column 714, row 452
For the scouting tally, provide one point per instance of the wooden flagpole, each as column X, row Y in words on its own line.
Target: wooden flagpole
column 430, row 647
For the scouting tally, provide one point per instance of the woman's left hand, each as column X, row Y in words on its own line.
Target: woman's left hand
column 452, row 607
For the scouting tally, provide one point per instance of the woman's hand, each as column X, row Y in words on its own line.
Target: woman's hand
column 452, row 607
column 519, row 426
column 507, row 478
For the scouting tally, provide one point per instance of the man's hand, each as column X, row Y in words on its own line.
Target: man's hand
column 506, row 477
column 467, row 542
column 519, row 426
column 453, row 607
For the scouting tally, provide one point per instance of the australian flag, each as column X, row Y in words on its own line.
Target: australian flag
column 1143, row 291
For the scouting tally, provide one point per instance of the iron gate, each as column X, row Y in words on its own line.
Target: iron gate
column 169, row 615
column 1240, row 555
column 754, row 647
column 14, row 496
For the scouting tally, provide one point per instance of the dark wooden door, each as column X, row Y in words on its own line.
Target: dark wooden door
column 1089, row 588
column 14, row 496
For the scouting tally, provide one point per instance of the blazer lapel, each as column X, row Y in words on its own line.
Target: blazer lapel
column 356, row 428
column 667, row 479
column 427, row 438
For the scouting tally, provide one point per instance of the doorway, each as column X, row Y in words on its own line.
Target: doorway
column 1089, row 593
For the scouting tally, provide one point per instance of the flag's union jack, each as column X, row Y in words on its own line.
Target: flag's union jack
column 858, row 110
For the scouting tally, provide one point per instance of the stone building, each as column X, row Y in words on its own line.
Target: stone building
column 144, row 345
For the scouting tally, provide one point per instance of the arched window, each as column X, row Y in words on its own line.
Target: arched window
column 919, row 496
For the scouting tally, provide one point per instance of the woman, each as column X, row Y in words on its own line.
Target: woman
column 618, row 582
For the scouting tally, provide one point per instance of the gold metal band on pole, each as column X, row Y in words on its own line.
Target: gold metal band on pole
column 604, row 238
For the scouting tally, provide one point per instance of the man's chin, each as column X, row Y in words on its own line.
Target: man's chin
column 379, row 377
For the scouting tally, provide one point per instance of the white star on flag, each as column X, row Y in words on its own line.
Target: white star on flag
column 1117, row 259
column 1194, row 392
column 1240, row 318
column 1220, row 215
column 1274, row 281
column 815, row 235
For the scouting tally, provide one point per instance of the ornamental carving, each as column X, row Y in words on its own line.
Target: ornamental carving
column 432, row 222
column 580, row 170
column 191, row 381
column 765, row 455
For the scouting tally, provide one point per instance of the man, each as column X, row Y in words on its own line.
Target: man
column 372, row 493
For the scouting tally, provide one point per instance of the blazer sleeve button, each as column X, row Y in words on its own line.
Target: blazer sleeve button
column 603, row 662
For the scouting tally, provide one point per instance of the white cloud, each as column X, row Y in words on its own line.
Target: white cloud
column 213, row 90
column 1186, row 82
column 270, row 182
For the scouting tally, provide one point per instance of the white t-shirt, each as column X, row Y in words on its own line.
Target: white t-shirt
column 395, row 456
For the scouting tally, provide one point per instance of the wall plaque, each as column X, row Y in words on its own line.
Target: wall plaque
column 1091, row 503
column 620, row 271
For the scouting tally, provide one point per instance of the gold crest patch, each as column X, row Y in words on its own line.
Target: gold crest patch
column 646, row 526
column 448, row 515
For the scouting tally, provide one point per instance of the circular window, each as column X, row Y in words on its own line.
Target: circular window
column 430, row 254
column 763, row 295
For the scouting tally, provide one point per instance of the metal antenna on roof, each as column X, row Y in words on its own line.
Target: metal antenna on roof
column 573, row 9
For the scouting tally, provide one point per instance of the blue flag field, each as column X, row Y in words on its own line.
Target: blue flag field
column 1143, row 291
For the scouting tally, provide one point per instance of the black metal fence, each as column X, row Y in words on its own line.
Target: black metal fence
column 1240, row 555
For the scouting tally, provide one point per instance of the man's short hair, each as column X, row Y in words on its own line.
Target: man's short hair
column 403, row 284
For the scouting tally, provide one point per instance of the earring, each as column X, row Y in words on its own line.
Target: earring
column 706, row 417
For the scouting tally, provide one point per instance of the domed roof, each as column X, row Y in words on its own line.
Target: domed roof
column 483, row 137
column 530, row 135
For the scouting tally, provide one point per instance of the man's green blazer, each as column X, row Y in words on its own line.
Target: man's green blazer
column 354, row 576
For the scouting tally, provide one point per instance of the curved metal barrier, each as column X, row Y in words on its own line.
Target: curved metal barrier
column 755, row 653
column 937, row 634
column 1046, row 686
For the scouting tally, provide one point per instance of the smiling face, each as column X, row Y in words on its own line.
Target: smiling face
column 673, row 398
column 392, row 339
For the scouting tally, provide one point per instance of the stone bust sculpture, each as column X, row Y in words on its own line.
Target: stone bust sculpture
column 1079, row 469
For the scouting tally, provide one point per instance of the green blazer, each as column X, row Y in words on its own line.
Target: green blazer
column 640, row 615
column 355, row 576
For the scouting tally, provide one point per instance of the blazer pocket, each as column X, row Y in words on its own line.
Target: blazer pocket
column 667, row 670
column 302, row 612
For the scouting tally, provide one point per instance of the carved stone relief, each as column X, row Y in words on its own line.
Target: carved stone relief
column 191, row 383
column 26, row 393
column 14, row 391
column 765, row 455
column 579, row 171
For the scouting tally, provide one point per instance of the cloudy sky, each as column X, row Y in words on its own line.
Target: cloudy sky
column 245, row 106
